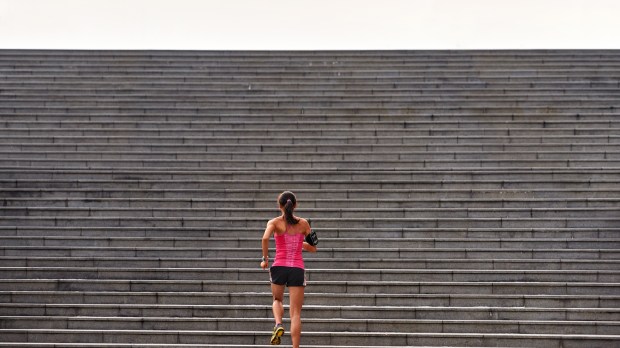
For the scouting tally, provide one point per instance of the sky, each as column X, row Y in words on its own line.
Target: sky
column 309, row 24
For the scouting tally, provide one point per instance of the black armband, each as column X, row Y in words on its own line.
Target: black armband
column 312, row 238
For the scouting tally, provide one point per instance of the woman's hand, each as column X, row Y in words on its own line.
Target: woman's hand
column 264, row 265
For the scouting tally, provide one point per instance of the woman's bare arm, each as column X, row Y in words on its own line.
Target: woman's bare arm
column 306, row 246
column 265, row 244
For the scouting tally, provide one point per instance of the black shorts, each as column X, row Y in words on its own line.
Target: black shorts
column 289, row 276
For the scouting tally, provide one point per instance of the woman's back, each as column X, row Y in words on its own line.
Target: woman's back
column 289, row 243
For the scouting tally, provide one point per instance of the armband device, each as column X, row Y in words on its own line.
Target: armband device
column 312, row 238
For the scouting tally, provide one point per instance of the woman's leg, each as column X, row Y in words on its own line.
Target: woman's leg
column 296, row 294
column 278, row 295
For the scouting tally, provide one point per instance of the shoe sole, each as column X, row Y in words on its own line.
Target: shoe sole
column 275, row 338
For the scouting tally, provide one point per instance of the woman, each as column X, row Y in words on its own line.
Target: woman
column 290, row 233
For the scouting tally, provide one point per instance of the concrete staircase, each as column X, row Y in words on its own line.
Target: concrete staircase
column 462, row 198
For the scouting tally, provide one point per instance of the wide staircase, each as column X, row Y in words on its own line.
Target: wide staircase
column 461, row 198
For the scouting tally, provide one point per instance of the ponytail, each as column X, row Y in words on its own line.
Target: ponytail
column 287, row 200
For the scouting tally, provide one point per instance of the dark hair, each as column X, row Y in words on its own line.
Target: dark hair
column 288, row 200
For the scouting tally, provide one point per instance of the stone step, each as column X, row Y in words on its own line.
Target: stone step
column 378, row 275
column 199, row 91
column 303, row 73
column 429, row 161
column 231, row 94
column 343, row 75
column 238, row 57
column 311, row 95
column 331, row 299
column 365, row 183
column 313, row 263
column 298, row 55
column 87, row 148
column 359, row 222
column 319, row 94
column 393, row 195
column 470, row 63
column 326, row 252
column 21, row 174
column 310, row 61
column 526, row 67
column 294, row 61
column 314, row 311
column 567, row 70
column 334, row 325
column 312, row 132
column 411, row 128
column 315, row 60
column 553, row 88
column 324, row 213
column 422, row 91
column 311, row 102
column 303, row 124
column 340, row 242
column 475, row 288
column 309, row 117
column 338, row 67
column 373, row 179
column 362, row 157
column 316, row 93
column 313, row 164
column 228, row 232
column 140, row 140
column 587, row 77
column 405, row 109
column 304, row 156
column 322, row 83
column 327, row 86
column 478, row 58
column 145, row 68
column 199, row 203
column 352, row 76
column 404, row 198
column 247, row 338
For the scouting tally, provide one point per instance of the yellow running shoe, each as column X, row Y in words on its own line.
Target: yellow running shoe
column 278, row 331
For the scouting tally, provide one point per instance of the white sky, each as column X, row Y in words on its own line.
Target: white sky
column 309, row 24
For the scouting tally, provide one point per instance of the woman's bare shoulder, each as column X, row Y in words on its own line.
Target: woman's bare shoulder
column 304, row 224
column 277, row 223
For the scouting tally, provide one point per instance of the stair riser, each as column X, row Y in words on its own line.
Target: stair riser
column 314, row 263
column 171, row 298
column 309, row 326
column 335, row 243
column 320, row 312
column 323, row 275
column 498, row 288
column 318, row 339
column 119, row 222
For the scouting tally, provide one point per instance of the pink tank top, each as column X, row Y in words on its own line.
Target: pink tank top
column 288, row 249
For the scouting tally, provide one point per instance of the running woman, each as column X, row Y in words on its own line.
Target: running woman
column 290, row 234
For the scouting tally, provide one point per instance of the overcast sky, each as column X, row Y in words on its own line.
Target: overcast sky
column 309, row 24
